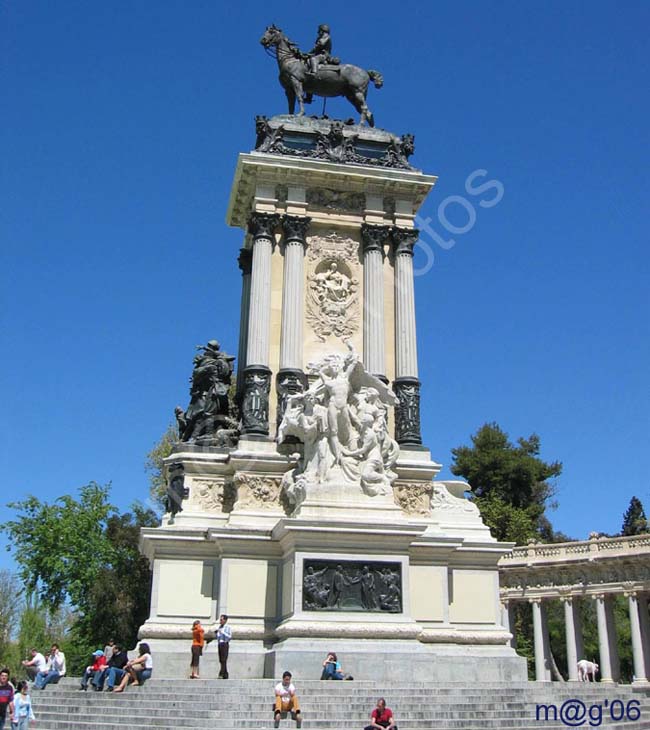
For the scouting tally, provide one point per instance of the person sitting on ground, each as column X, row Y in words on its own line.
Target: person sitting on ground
column 54, row 669
column 137, row 670
column 113, row 671
column 381, row 717
column 286, row 700
column 198, row 641
column 93, row 670
column 6, row 697
column 23, row 712
column 332, row 668
column 35, row 665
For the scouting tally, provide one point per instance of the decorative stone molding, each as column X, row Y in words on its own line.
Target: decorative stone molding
column 333, row 246
column 460, row 636
column 348, row 629
column 328, row 199
column 257, row 492
column 444, row 501
column 414, row 498
column 332, row 293
column 332, row 140
column 152, row 630
column 213, row 495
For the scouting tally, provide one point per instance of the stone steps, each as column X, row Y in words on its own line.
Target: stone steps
column 247, row 705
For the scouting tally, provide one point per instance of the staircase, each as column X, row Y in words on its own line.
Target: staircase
column 166, row 704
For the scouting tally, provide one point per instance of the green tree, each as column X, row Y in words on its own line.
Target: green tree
column 81, row 555
column 61, row 547
column 154, row 465
column 634, row 520
column 510, row 483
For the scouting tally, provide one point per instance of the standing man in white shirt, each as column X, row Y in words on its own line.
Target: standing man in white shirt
column 35, row 665
column 224, row 635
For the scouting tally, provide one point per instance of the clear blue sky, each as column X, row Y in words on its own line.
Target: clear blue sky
column 121, row 125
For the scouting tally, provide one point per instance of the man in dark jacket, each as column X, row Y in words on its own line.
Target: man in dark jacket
column 117, row 661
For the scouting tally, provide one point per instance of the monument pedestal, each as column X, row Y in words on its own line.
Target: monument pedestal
column 321, row 528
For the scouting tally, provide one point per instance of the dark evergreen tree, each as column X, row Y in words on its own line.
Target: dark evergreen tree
column 634, row 520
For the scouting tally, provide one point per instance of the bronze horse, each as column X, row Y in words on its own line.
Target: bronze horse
column 331, row 80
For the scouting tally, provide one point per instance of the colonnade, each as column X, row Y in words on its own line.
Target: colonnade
column 254, row 372
column 609, row 665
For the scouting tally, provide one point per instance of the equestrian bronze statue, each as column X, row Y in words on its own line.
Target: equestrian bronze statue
column 303, row 75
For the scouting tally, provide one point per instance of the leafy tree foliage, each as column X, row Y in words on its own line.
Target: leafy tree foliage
column 81, row 554
column 634, row 520
column 509, row 482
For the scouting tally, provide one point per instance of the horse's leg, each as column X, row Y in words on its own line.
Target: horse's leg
column 291, row 98
column 296, row 85
column 358, row 100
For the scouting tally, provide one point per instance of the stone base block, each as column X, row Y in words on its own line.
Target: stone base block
column 386, row 661
column 246, row 659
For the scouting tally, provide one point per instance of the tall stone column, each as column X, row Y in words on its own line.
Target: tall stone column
column 570, row 630
column 605, row 664
column 638, row 654
column 257, row 374
column 613, row 640
column 644, row 620
column 542, row 673
column 245, row 261
column 373, row 238
column 406, row 385
column 290, row 378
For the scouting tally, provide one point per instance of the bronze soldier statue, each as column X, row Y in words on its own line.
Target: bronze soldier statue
column 322, row 49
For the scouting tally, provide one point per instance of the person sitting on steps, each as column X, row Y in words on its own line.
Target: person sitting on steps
column 381, row 717
column 137, row 670
column 286, row 700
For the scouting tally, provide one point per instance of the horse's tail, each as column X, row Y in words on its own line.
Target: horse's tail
column 376, row 78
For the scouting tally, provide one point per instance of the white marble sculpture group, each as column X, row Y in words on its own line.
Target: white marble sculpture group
column 342, row 420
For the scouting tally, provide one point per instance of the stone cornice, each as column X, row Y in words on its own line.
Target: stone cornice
column 256, row 167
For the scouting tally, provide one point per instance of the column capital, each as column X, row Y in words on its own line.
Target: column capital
column 263, row 225
column 566, row 598
column 599, row 596
column 245, row 260
column 295, row 228
column 374, row 237
column 404, row 240
column 631, row 594
column 535, row 601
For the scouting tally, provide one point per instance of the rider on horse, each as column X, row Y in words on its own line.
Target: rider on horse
column 322, row 49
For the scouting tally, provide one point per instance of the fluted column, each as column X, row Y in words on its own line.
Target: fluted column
column 604, row 664
column 245, row 261
column 290, row 378
column 638, row 655
column 406, row 385
column 542, row 672
column 257, row 374
column 374, row 237
column 570, row 630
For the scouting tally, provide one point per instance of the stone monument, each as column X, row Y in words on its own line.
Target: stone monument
column 313, row 517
